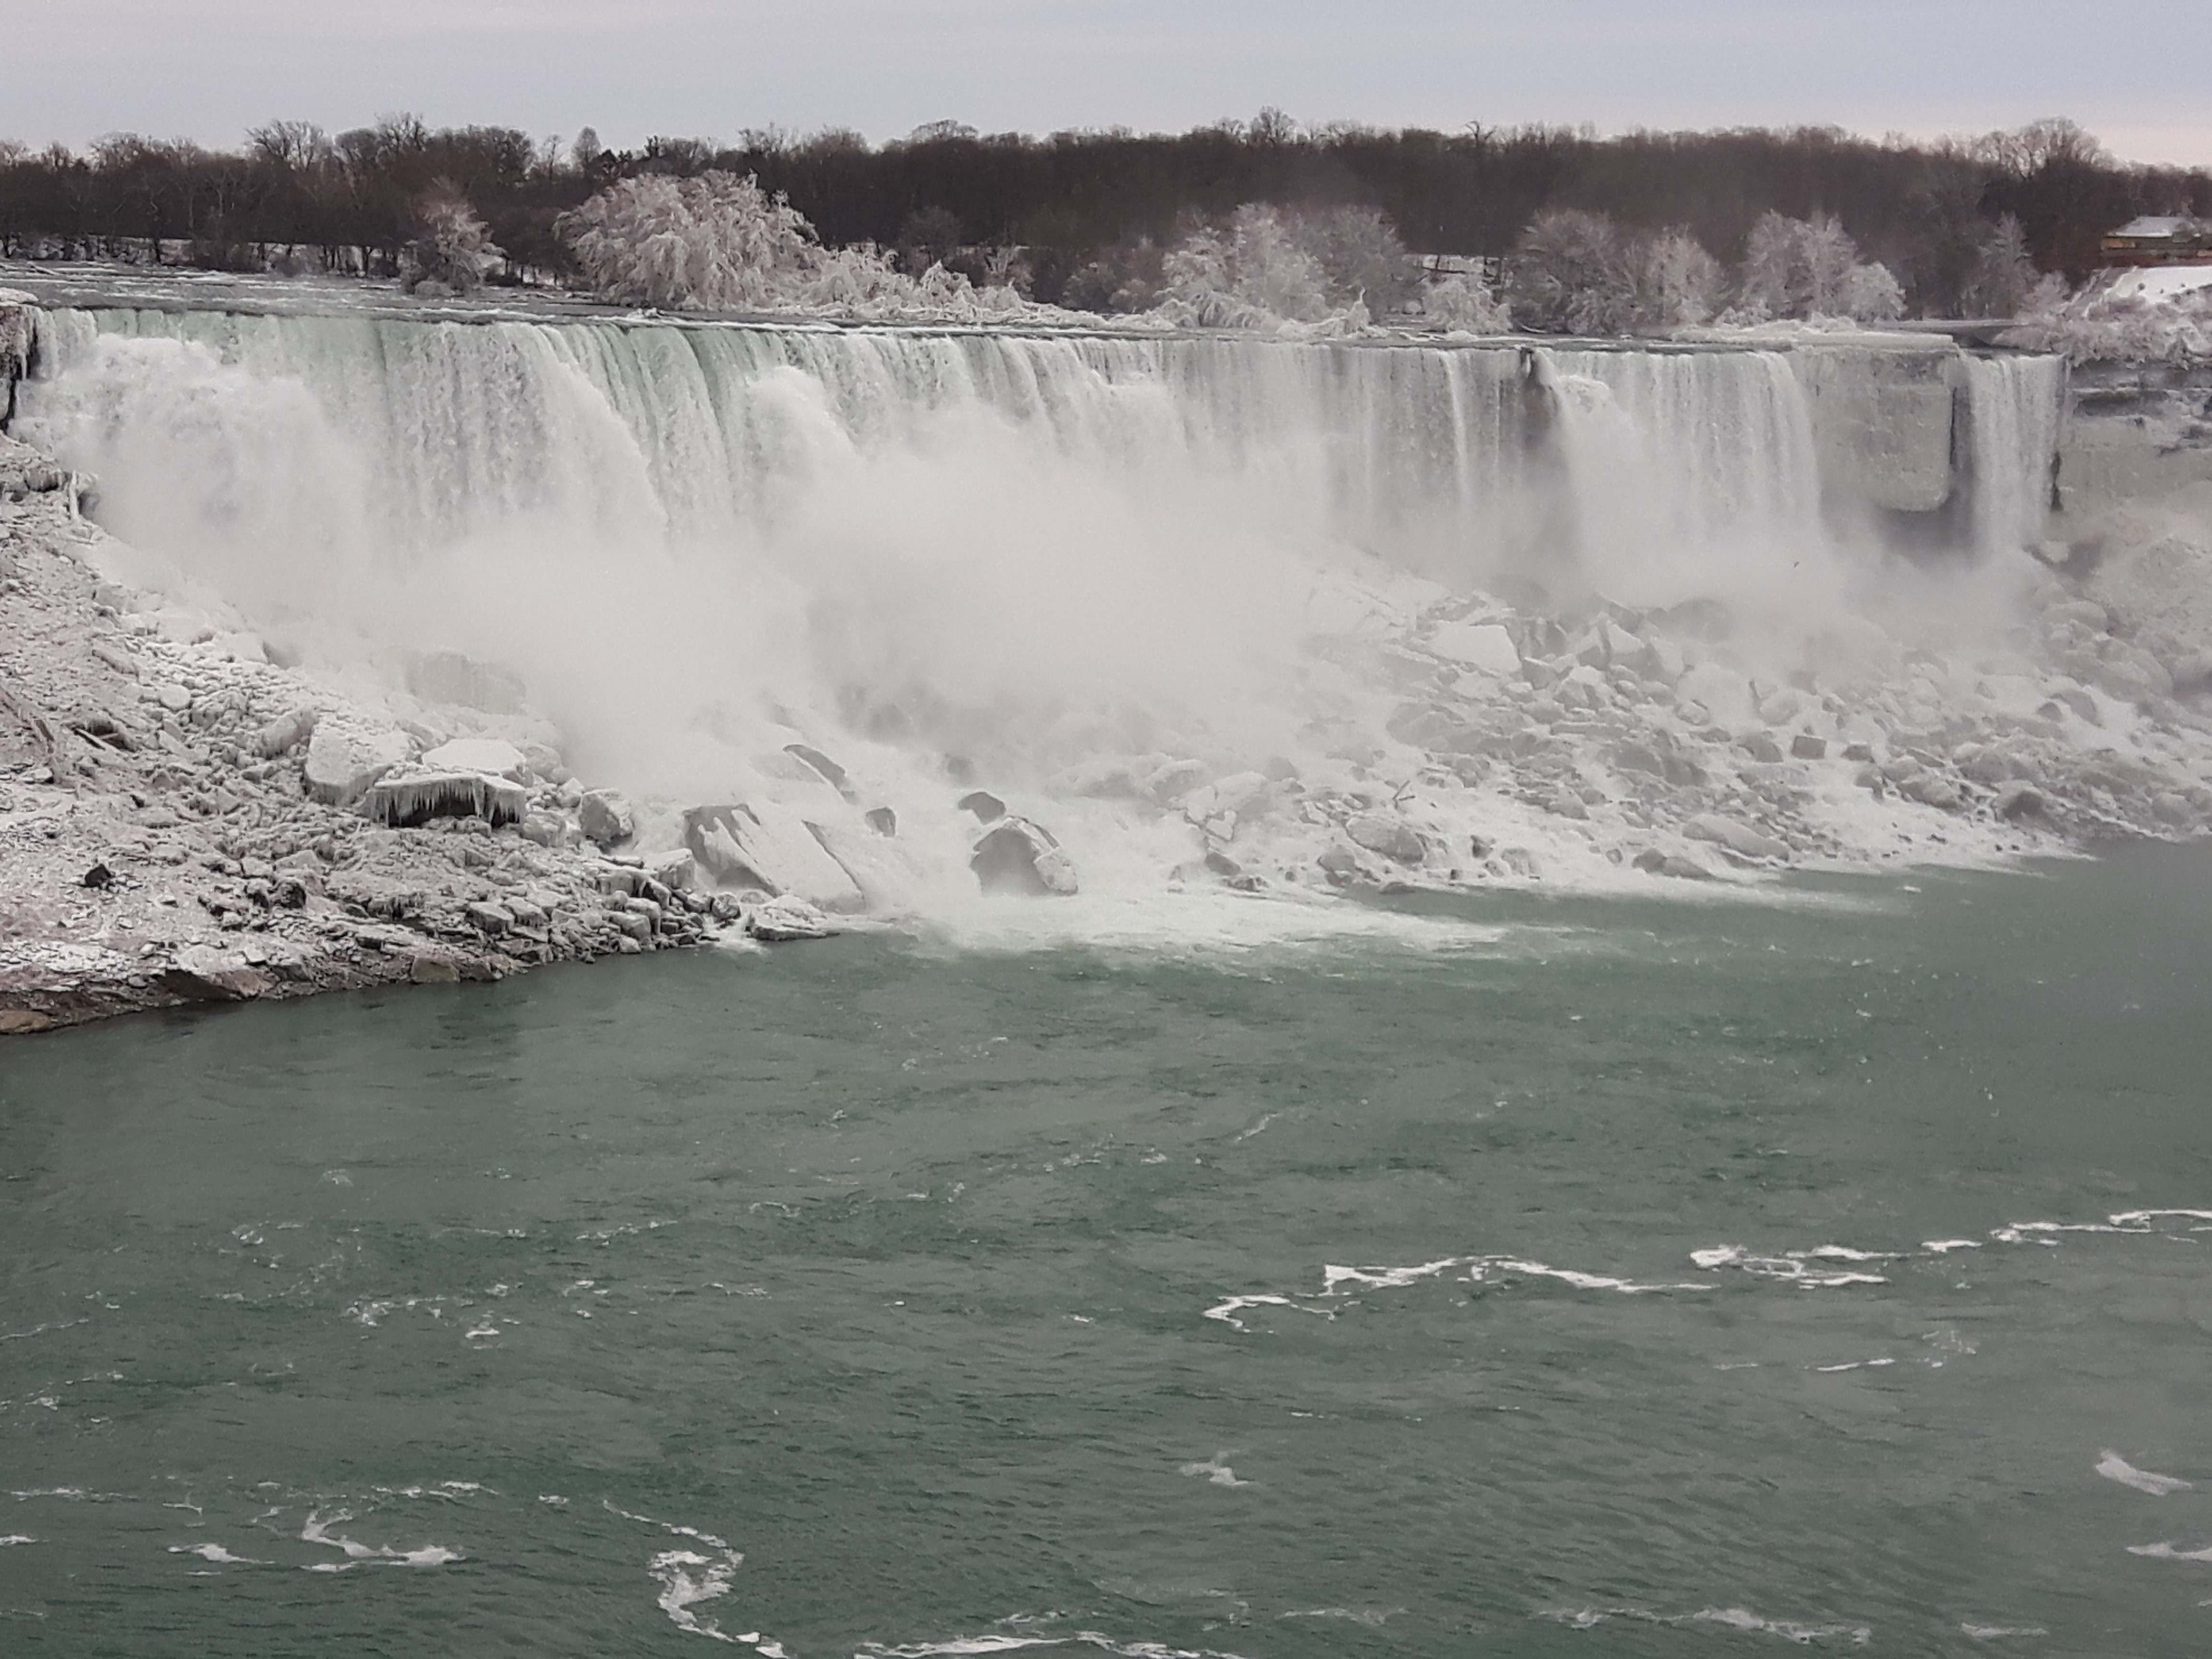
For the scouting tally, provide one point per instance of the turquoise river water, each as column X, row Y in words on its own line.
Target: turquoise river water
column 1640, row 1280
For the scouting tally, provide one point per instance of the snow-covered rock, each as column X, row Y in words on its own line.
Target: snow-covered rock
column 1389, row 834
column 493, row 756
column 761, row 844
column 407, row 797
column 785, row 919
column 344, row 760
column 284, row 734
column 1487, row 646
column 1018, row 856
column 1739, row 838
column 606, row 818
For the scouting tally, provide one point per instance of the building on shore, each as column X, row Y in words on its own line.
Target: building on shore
column 2160, row 241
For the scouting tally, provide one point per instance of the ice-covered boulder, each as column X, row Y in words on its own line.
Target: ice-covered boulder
column 1487, row 646
column 1739, row 838
column 1169, row 782
column 285, row 733
column 986, row 806
column 344, row 761
column 784, row 919
column 1218, row 808
column 771, row 848
column 205, row 973
column 407, row 797
column 829, row 772
column 1724, row 692
column 1387, row 834
column 679, row 870
column 491, row 755
column 606, row 817
column 1018, row 856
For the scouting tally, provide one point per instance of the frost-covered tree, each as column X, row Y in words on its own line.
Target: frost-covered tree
column 717, row 241
column 1572, row 273
column 1271, row 266
column 1872, row 293
column 1466, row 305
column 450, row 250
column 2004, row 272
column 1253, row 274
column 1678, row 284
column 1767, row 281
column 1806, row 267
column 1361, row 257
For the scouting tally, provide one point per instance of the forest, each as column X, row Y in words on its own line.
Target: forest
column 1089, row 211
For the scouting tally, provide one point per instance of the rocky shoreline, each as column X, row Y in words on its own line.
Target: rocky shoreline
column 183, row 821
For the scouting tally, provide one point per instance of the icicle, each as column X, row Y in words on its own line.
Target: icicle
column 405, row 801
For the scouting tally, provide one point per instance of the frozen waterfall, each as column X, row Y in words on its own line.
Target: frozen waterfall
column 1164, row 582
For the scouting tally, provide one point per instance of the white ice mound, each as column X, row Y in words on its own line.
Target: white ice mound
column 606, row 818
column 783, row 920
column 1487, row 646
column 762, row 844
column 1017, row 856
column 405, row 798
column 342, row 760
column 490, row 755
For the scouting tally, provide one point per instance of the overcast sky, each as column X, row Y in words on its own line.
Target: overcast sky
column 2134, row 72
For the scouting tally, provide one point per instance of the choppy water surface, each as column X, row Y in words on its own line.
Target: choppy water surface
column 1723, row 1277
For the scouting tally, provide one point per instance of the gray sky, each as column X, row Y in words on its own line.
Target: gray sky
column 2133, row 71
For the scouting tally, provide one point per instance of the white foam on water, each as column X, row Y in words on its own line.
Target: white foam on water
column 2138, row 1223
column 996, row 1644
column 1944, row 1246
column 687, row 1579
column 216, row 1553
column 41, row 1330
column 2167, row 1551
column 2002, row 1632
column 1339, row 1281
column 1856, row 1365
column 1215, row 1470
column 317, row 1530
column 1489, row 1268
column 1794, row 1266
column 2113, row 1467
column 1789, row 1630
column 2136, row 1218
column 1228, row 1308
column 1373, row 1618
column 15, row 1537
column 1737, row 1619
column 690, row 1579
column 961, row 1645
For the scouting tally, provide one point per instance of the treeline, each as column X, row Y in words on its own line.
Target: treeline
column 1087, row 206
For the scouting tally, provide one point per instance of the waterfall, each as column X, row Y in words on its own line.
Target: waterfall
column 1419, row 453
column 1046, row 545
column 2014, row 406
